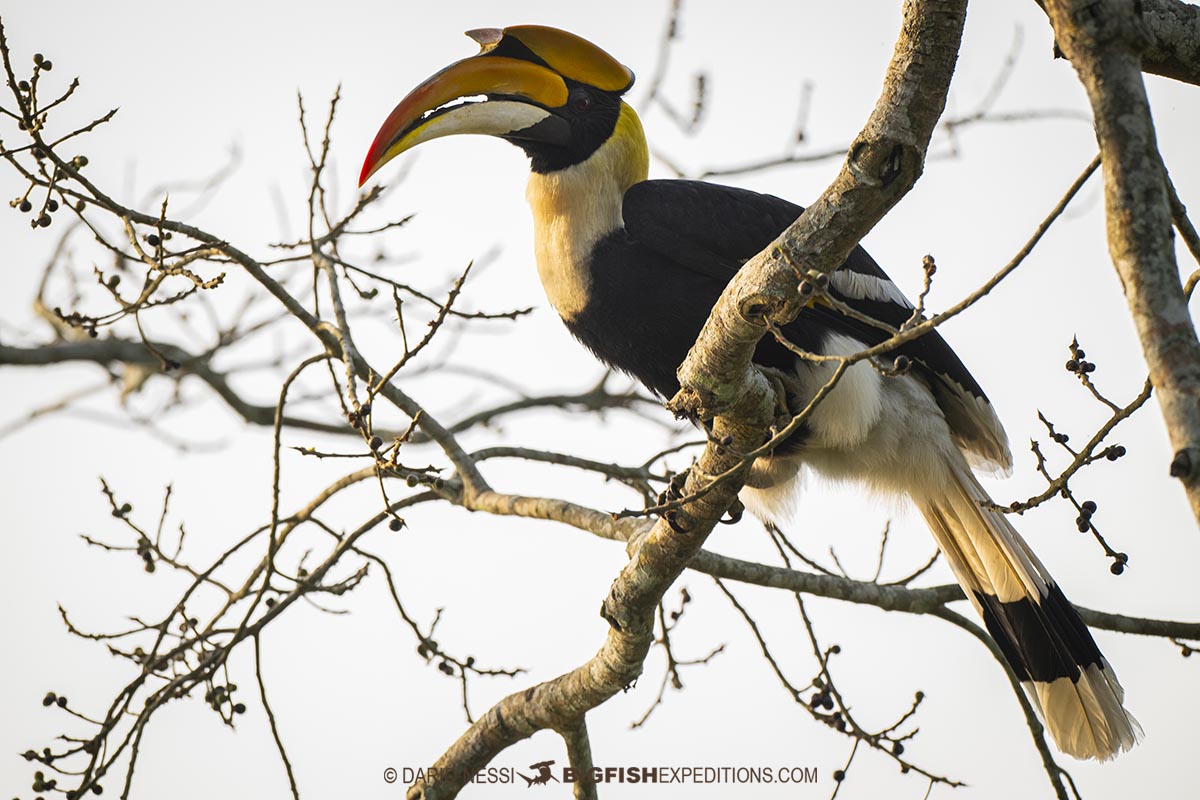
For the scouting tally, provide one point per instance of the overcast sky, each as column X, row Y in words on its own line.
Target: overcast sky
column 352, row 696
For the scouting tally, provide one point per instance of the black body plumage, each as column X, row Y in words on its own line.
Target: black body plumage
column 655, row 280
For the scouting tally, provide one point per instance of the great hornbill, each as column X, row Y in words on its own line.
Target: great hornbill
column 634, row 266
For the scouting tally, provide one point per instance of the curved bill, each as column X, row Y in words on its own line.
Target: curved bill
column 527, row 91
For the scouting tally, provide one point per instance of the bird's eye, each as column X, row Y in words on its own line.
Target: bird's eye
column 580, row 100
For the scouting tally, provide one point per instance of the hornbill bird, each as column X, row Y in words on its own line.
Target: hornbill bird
column 634, row 266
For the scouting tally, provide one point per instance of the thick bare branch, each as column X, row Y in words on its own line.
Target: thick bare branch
column 579, row 753
column 884, row 162
column 1173, row 49
column 1105, row 42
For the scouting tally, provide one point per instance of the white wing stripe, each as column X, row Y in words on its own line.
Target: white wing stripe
column 857, row 286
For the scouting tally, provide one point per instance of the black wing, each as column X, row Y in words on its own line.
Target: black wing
column 712, row 230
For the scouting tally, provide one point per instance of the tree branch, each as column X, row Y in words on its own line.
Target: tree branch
column 579, row 753
column 884, row 162
column 1105, row 41
column 1173, row 49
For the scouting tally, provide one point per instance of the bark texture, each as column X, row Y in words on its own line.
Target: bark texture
column 1105, row 42
column 1173, row 48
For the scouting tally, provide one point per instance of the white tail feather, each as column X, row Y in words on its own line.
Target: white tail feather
column 1084, row 716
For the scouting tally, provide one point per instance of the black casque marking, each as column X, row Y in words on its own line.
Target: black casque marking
column 512, row 47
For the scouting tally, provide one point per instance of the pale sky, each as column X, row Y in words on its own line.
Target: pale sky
column 351, row 694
